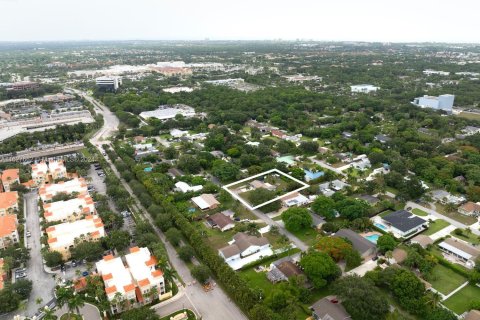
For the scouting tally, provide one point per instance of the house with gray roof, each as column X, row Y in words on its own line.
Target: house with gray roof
column 403, row 223
column 245, row 249
column 329, row 308
column 359, row 243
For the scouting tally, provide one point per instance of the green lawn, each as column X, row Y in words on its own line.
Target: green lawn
column 419, row 212
column 444, row 279
column 70, row 316
column 468, row 220
column 436, row 226
column 307, row 236
column 384, row 213
column 469, row 237
column 461, row 301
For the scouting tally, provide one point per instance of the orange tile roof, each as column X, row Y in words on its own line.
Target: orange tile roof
column 151, row 262
column 10, row 175
column 107, row 276
column 108, row 257
column 52, row 240
column 80, row 284
column 96, row 233
column 129, row 287
column 111, row 289
column 134, row 249
column 157, row 273
column 89, row 217
column 8, row 199
column 143, row 283
column 8, row 224
column 48, row 214
column 50, row 229
column 98, row 225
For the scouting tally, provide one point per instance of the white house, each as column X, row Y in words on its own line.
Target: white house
column 295, row 199
column 185, row 187
column 245, row 249
column 403, row 223
column 176, row 133
column 363, row 88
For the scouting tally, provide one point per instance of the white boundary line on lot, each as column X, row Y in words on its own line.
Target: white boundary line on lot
column 246, row 204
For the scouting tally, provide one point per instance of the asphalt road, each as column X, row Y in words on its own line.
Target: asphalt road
column 212, row 305
column 43, row 283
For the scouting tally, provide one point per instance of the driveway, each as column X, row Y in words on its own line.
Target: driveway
column 43, row 283
column 364, row 268
column 88, row 311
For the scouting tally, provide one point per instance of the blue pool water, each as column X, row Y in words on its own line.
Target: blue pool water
column 373, row 238
column 381, row 226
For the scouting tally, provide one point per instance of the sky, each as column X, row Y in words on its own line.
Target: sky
column 323, row 20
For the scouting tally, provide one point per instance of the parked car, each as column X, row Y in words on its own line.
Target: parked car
column 74, row 263
column 85, row 273
column 29, row 234
column 20, row 275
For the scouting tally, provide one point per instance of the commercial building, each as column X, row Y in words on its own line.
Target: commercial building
column 8, row 202
column 245, row 249
column 8, row 230
column 443, row 102
column 22, row 86
column 363, row 88
column 62, row 237
column 9, row 177
column 77, row 185
column 133, row 283
column 108, row 83
column 69, row 210
column 430, row 72
column 166, row 112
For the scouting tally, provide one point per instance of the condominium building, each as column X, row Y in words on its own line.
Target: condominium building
column 57, row 169
column 8, row 202
column 77, row 185
column 43, row 172
column 133, row 281
column 39, row 173
column 69, row 210
column 8, row 230
column 9, row 177
column 63, row 237
column 110, row 83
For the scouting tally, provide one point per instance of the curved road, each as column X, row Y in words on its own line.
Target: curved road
column 214, row 304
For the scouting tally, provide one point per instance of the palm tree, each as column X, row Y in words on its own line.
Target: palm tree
column 49, row 314
column 75, row 303
column 435, row 299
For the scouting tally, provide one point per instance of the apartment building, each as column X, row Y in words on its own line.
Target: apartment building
column 130, row 282
column 8, row 202
column 77, row 185
column 39, row 173
column 44, row 172
column 8, row 230
column 9, row 177
column 62, row 237
column 69, row 210
column 57, row 169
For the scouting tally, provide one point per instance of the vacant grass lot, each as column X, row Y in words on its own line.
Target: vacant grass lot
column 307, row 236
column 445, row 280
column 469, row 237
column 419, row 212
column 461, row 301
column 455, row 215
column 436, row 226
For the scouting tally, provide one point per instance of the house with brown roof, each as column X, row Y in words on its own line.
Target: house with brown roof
column 470, row 209
column 220, row 221
column 245, row 249
column 278, row 134
column 8, row 230
column 9, row 177
column 8, row 202
column 472, row 315
column 460, row 250
column 422, row 240
column 283, row 269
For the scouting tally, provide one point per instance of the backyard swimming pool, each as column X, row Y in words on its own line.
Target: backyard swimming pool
column 381, row 226
column 372, row 238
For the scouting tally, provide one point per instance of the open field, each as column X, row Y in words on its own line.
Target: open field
column 445, row 280
column 469, row 115
column 469, row 237
column 461, row 301
column 455, row 215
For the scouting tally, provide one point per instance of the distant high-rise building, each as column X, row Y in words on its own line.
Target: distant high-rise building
column 443, row 102
column 109, row 83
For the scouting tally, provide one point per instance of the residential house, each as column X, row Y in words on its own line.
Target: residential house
column 445, row 197
column 295, row 199
column 245, row 249
column 329, row 308
column 461, row 250
column 422, row 240
column 470, row 130
column 399, row 255
column 404, row 223
column 8, row 230
column 217, row 154
column 69, row 210
column 174, row 173
column 472, row 315
column 220, row 221
column 470, row 209
column 283, row 269
column 206, row 201
column 62, row 237
column 9, row 177
column 361, row 163
column 257, row 184
column 278, row 134
column 8, row 202
column 371, row 200
column 176, row 133
column 382, row 138
column 329, row 188
column 185, row 187
column 364, row 247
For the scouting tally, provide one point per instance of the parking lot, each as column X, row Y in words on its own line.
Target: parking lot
column 97, row 177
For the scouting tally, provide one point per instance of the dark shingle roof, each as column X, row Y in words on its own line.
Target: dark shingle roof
column 404, row 220
column 360, row 244
column 325, row 309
